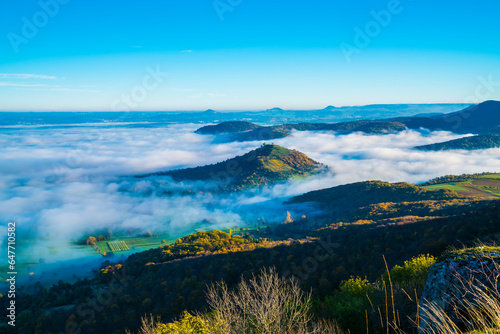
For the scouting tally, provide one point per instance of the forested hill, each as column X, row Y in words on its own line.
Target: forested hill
column 345, row 198
column 468, row 143
column 483, row 118
column 245, row 131
column 266, row 165
column 227, row 127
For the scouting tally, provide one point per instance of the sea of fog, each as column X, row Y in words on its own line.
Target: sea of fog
column 59, row 182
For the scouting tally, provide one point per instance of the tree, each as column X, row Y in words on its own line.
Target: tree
column 264, row 304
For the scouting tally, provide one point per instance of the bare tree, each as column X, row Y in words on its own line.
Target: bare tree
column 265, row 304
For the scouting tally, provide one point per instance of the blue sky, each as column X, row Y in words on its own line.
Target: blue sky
column 245, row 54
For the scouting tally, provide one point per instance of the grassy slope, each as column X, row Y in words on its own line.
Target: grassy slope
column 484, row 185
column 343, row 199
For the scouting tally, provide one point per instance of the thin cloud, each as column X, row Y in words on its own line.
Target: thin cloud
column 74, row 90
column 55, row 88
column 22, row 84
column 187, row 51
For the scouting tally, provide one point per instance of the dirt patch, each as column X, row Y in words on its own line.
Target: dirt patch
column 478, row 192
column 487, row 183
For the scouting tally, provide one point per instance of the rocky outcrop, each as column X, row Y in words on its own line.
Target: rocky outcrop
column 455, row 282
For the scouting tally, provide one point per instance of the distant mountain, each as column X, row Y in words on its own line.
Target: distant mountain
column 329, row 108
column 266, row 165
column 483, row 118
column 281, row 131
column 275, row 110
column 227, row 127
column 342, row 199
column 468, row 143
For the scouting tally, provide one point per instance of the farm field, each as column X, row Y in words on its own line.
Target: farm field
column 485, row 186
column 123, row 244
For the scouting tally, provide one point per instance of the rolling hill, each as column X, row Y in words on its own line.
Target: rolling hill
column 468, row 143
column 265, row 165
column 227, row 127
column 341, row 200
column 483, row 118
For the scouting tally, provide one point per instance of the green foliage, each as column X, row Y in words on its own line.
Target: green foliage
column 356, row 287
column 348, row 304
column 189, row 324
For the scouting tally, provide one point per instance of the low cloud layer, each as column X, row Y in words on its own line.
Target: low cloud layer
column 59, row 183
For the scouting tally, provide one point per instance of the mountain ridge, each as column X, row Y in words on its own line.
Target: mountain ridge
column 483, row 118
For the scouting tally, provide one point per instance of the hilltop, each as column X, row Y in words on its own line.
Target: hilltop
column 265, row 165
column 480, row 142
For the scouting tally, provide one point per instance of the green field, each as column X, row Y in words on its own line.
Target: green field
column 485, row 186
column 122, row 244
column 118, row 246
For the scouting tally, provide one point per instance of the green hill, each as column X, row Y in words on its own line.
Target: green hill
column 468, row 143
column 281, row 131
column 486, row 185
column 227, row 127
column 266, row 165
column 342, row 199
